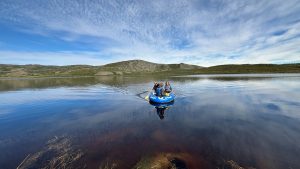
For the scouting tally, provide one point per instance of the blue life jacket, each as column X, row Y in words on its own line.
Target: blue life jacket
column 159, row 91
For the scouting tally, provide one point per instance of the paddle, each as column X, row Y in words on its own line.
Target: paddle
column 147, row 97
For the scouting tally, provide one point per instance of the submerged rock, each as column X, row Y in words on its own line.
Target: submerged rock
column 162, row 161
column 58, row 153
column 234, row 165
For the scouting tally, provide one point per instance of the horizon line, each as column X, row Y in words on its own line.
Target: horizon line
column 149, row 62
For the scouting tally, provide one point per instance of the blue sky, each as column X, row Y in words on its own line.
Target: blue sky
column 96, row 32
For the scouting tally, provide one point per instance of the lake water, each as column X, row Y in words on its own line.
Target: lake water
column 216, row 121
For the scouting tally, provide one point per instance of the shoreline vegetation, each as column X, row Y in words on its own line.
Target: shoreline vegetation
column 139, row 68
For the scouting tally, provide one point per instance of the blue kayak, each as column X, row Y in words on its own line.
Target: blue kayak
column 163, row 99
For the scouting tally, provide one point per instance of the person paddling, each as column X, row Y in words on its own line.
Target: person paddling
column 168, row 88
column 159, row 90
column 160, row 94
column 156, row 85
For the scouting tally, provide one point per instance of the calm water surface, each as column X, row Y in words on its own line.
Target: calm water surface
column 253, row 120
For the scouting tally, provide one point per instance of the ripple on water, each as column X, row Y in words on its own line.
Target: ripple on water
column 214, row 122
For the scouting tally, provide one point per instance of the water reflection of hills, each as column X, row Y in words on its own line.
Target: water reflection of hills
column 40, row 83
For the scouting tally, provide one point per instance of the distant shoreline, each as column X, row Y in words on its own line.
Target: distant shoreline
column 139, row 68
column 152, row 75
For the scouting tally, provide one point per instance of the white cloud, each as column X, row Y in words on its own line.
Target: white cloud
column 51, row 58
column 169, row 31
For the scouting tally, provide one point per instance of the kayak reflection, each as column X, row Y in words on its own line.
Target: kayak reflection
column 161, row 107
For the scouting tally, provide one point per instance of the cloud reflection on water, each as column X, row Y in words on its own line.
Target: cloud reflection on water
column 254, row 122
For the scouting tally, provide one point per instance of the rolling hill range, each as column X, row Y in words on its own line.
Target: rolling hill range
column 139, row 67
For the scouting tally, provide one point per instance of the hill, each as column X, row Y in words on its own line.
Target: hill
column 252, row 68
column 139, row 67
column 130, row 67
column 144, row 66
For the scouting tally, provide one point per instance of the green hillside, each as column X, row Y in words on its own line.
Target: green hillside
column 139, row 67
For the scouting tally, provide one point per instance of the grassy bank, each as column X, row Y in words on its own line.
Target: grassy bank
column 140, row 68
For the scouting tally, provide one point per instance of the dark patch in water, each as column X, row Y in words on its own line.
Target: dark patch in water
column 272, row 106
column 178, row 163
